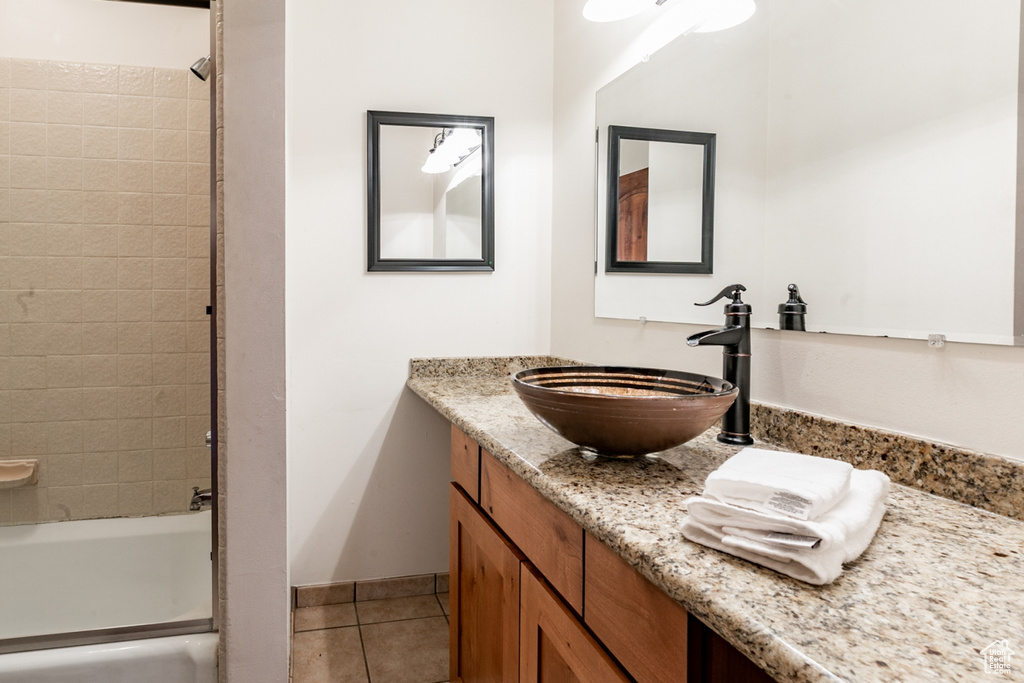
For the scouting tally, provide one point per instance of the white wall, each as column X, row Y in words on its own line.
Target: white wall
column 368, row 461
column 964, row 394
column 103, row 32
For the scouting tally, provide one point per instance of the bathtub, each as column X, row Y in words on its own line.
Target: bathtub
column 106, row 574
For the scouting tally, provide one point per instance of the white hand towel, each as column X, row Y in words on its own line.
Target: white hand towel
column 780, row 483
column 849, row 528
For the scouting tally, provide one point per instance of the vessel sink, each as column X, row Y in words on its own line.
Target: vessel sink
column 620, row 411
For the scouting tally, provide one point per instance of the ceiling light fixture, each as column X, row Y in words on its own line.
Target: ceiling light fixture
column 614, row 10
column 451, row 146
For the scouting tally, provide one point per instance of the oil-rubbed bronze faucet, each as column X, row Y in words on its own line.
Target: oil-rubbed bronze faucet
column 735, row 338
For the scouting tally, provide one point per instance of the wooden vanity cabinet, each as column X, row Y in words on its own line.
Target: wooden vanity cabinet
column 534, row 598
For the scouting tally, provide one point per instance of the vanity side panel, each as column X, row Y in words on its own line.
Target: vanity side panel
column 545, row 534
column 641, row 626
column 466, row 463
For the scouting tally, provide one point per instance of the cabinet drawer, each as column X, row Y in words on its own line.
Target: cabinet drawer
column 641, row 626
column 466, row 463
column 545, row 534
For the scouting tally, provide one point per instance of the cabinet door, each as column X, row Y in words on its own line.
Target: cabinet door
column 484, row 621
column 554, row 647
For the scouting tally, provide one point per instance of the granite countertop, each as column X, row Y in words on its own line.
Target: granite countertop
column 940, row 582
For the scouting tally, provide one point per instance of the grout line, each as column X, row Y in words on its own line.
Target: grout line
column 362, row 645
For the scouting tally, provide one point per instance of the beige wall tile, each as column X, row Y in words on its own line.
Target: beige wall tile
column 64, row 470
column 64, row 372
column 63, row 272
column 64, row 240
column 135, row 402
column 169, row 401
column 135, row 176
column 170, row 113
column 26, row 440
column 99, row 175
column 170, row 337
column 99, row 110
column 168, row 463
column 198, row 300
column 100, row 468
column 65, row 76
column 135, row 80
column 30, row 505
column 99, row 370
column 63, row 174
column 170, row 209
column 65, row 502
column 195, row 431
column 28, row 372
column 135, row 306
column 198, row 336
column 135, row 240
column 99, row 403
column 26, row 339
column 135, row 466
column 99, row 240
column 169, row 434
column 397, row 587
column 170, row 83
column 99, row 501
column 168, row 145
column 135, row 370
column 197, row 462
column 134, row 273
column 98, row 437
column 65, row 107
column 65, row 206
column 135, row 434
column 198, row 90
column 170, row 496
column 27, row 206
column 199, row 275
column 99, row 143
column 135, row 209
column 100, row 273
column 135, row 143
column 199, row 179
column 169, row 368
column 170, row 273
column 198, row 369
column 26, row 239
column 63, row 140
column 324, row 594
column 100, row 208
column 27, row 306
column 99, row 306
column 28, row 405
column 169, row 241
column 63, row 338
column 64, row 306
column 64, row 405
column 28, row 172
column 30, row 139
column 99, row 337
column 199, row 117
column 170, row 177
column 28, row 105
column 28, row 73
column 169, row 305
column 65, row 437
column 134, row 337
column 134, row 111
column 99, row 78
column 197, row 399
column 198, row 146
column 135, row 499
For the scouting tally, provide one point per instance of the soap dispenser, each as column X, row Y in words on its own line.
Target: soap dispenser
column 793, row 313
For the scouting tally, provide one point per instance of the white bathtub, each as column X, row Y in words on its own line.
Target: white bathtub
column 66, row 577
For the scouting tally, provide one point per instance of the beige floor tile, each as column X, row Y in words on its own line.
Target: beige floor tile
column 331, row 655
column 324, row 594
column 326, row 616
column 444, row 599
column 407, row 651
column 396, row 609
column 441, row 583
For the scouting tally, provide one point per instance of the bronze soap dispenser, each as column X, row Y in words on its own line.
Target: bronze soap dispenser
column 793, row 313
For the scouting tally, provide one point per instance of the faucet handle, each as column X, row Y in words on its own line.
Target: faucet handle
column 731, row 290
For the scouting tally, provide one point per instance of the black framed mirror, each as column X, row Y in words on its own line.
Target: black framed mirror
column 660, row 201
column 430, row 192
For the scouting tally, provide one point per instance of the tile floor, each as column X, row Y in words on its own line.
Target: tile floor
column 394, row 640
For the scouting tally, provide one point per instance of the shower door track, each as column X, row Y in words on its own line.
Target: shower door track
column 105, row 635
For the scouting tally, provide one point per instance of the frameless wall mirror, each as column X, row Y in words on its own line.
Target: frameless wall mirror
column 885, row 182
column 430, row 192
column 660, row 201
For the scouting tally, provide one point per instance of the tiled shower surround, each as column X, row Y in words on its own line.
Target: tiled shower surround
column 104, row 285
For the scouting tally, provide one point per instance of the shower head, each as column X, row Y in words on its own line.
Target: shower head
column 202, row 68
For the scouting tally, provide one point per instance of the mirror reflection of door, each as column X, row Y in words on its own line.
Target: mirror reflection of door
column 633, row 216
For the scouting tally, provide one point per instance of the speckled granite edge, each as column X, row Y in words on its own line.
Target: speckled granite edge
column 493, row 366
column 976, row 479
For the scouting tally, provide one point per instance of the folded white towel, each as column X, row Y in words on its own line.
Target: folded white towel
column 846, row 531
column 780, row 483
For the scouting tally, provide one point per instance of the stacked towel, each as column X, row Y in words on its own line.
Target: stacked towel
column 811, row 549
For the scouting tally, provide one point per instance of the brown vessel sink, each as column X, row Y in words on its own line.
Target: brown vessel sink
column 618, row 411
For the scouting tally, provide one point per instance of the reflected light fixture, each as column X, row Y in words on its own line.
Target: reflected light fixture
column 451, row 146
column 614, row 10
